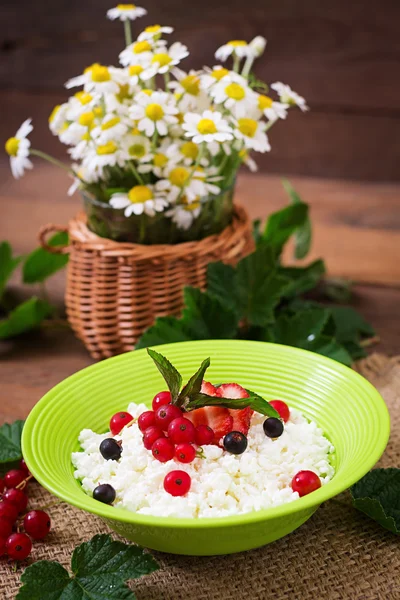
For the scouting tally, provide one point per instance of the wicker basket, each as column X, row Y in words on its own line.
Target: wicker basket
column 116, row 290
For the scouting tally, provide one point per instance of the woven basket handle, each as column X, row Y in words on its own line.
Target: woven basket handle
column 50, row 228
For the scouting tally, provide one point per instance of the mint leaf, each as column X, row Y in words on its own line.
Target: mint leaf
column 350, row 325
column 303, row 233
column 303, row 328
column 205, row 318
column 165, row 330
column 377, row 495
column 100, row 568
column 194, row 384
column 302, row 279
column 40, row 263
column 26, row 316
column 282, row 224
column 254, row 401
column 222, row 284
column 10, row 441
column 329, row 347
column 7, row 265
column 172, row 377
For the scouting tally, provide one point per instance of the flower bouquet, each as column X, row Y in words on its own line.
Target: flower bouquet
column 155, row 149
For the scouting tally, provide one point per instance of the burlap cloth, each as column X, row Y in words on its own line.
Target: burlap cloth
column 338, row 554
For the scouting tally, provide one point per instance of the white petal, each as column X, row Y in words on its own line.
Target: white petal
column 24, row 130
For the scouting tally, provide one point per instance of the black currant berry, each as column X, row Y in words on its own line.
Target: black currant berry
column 104, row 493
column 235, row 442
column 273, row 428
column 110, row 449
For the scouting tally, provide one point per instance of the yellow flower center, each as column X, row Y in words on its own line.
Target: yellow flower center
column 140, row 47
column 154, row 112
column 85, row 137
column 235, row 91
column 205, row 126
column 191, row 206
column 139, row 194
column 126, row 6
column 64, row 127
column 219, row 73
column 83, row 97
column 191, row 84
column 86, row 119
column 98, row 111
column 111, row 123
column 236, row 43
column 162, row 59
column 190, row 150
column 137, row 150
column 153, row 28
column 147, row 92
column 135, row 70
column 123, row 92
column 109, row 148
column 179, row 176
column 12, row 146
column 180, row 118
column 248, row 127
column 54, row 112
column 160, row 160
column 264, row 102
column 135, row 131
column 99, row 73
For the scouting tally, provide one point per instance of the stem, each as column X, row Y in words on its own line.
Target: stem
column 269, row 125
column 154, row 141
column 223, row 164
column 166, row 80
column 196, row 164
column 247, row 66
column 136, row 173
column 236, row 63
column 23, row 483
column 128, row 32
column 52, row 160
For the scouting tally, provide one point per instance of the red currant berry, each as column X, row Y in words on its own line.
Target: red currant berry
column 1, row 485
column 177, row 483
column 181, row 430
column 151, row 435
column 37, row 523
column 118, row 421
column 185, row 453
column 163, row 450
column 16, row 497
column 165, row 414
column 282, row 408
column 5, row 528
column 8, row 511
column 146, row 419
column 204, row 435
column 305, row 482
column 3, row 550
column 14, row 478
column 161, row 399
column 24, row 467
column 18, row 546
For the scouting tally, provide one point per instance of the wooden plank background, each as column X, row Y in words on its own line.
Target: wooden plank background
column 342, row 56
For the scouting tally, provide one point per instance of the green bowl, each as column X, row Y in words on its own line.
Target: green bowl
column 347, row 407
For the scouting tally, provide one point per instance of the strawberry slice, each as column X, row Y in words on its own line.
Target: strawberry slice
column 209, row 389
column 241, row 417
column 216, row 417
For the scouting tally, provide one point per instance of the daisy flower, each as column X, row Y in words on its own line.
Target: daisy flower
column 204, row 180
column 58, row 118
column 17, row 148
column 167, row 155
column 258, row 45
column 135, row 146
column 166, row 58
column 137, row 73
column 78, row 104
column 141, row 199
column 75, row 132
column 248, row 160
column 211, row 76
column 270, row 109
column 238, row 48
column 154, row 112
column 288, row 96
column 138, row 53
column 99, row 79
column 208, row 127
column 126, row 12
column 188, row 91
column 185, row 213
column 83, row 177
column 251, row 132
column 154, row 32
column 104, row 155
column 179, row 179
column 188, row 153
column 235, row 94
column 111, row 128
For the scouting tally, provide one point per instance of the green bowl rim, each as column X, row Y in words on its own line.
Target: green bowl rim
column 327, row 491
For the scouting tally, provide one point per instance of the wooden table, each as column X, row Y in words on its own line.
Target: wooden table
column 356, row 230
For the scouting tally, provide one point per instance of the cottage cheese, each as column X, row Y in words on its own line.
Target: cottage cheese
column 222, row 483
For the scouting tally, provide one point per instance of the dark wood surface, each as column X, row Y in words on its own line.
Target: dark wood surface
column 356, row 231
column 342, row 56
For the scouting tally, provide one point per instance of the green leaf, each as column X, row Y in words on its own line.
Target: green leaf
column 331, row 348
column 257, row 236
column 350, row 325
column 40, row 263
column 165, row 330
column 302, row 279
column 303, row 328
column 10, row 441
column 337, row 289
column 172, row 377
column 303, row 233
column 100, row 568
column 222, row 284
column 26, row 316
column 283, row 223
column 194, row 384
column 377, row 495
column 254, row 401
column 8, row 264
column 205, row 318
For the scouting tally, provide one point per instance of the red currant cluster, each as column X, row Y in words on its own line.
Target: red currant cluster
column 14, row 500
